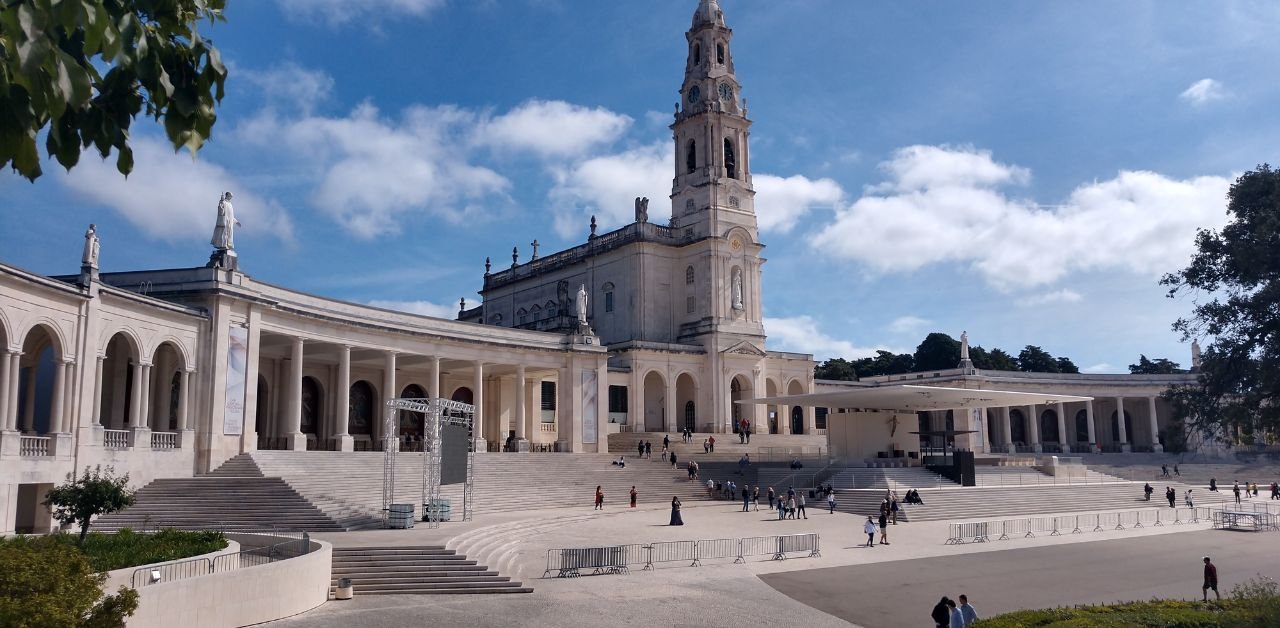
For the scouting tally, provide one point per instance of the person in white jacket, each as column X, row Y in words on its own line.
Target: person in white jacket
column 869, row 528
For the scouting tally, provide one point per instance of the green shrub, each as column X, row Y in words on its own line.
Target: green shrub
column 46, row 582
column 127, row 548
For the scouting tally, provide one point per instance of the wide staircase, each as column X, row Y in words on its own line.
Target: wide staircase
column 762, row 448
column 416, row 570
column 1198, row 474
column 319, row 490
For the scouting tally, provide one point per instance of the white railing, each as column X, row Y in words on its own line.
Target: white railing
column 547, row 427
column 164, row 440
column 115, row 439
column 34, row 446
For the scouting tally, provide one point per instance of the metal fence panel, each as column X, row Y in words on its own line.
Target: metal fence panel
column 710, row 549
column 674, row 551
column 757, row 545
column 169, row 572
column 797, row 543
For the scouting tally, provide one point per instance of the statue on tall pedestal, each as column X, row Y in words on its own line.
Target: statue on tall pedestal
column 1195, row 354
column 642, row 209
column 582, row 304
column 964, row 346
column 89, row 260
column 224, row 231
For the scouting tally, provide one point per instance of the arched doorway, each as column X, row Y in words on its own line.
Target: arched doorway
column 463, row 395
column 686, row 400
column 738, row 388
column 655, row 394
column 797, row 412
column 771, row 390
column 412, row 424
column 1017, row 427
column 117, row 382
column 312, row 403
column 360, row 412
column 39, row 411
column 166, row 364
column 949, row 425
column 1082, row 427
column 1049, row 427
column 260, row 423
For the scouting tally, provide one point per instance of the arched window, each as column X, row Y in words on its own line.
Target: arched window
column 689, row 415
column 607, row 288
column 535, row 314
column 697, row 54
column 688, row 276
column 730, row 161
column 522, row 316
column 691, row 157
column 360, row 409
column 1049, row 427
column 1082, row 427
column 720, row 54
column 1017, row 427
column 312, row 402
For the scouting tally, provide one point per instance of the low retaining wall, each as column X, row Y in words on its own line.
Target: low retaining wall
column 242, row 597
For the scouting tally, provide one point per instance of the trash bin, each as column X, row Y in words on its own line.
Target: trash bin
column 437, row 510
column 344, row 591
column 400, row 516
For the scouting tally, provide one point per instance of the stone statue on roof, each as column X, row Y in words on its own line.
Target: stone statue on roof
column 642, row 209
column 964, row 345
column 224, row 231
column 582, row 304
column 89, row 260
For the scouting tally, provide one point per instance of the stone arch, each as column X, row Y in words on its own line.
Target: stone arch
column 730, row 159
column 796, row 387
column 37, row 380
column 1017, row 427
column 52, row 335
column 691, row 157
column 1082, row 427
column 412, row 424
column 771, row 390
column 740, row 234
column 739, row 389
column 120, row 354
column 654, row 396
column 687, row 401
column 178, row 346
column 360, row 411
column 167, row 361
column 6, row 336
column 1049, row 426
column 697, row 53
column 463, row 394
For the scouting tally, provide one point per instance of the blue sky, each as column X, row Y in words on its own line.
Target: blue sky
column 1021, row 170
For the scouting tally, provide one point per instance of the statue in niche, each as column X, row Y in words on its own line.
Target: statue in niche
column 642, row 209
column 224, row 231
column 91, row 246
column 737, row 289
column 582, row 304
column 964, row 345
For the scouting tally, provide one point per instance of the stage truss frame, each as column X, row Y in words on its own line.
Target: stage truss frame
column 436, row 412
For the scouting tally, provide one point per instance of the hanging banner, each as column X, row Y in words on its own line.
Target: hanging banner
column 589, row 407
column 237, row 361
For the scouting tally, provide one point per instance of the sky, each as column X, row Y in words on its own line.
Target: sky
column 1025, row 171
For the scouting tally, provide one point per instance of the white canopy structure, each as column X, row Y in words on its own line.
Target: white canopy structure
column 908, row 398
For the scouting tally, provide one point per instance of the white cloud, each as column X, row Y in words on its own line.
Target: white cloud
column 1203, row 92
column 289, row 85
column 1053, row 297
column 1098, row 368
column 552, row 128
column 606, row 187
column 908, row 324
column 172, row 196
column 943, row 204
column 421, row 308
column 802, row 334
column 782, row 202
column 339, row 12
column 369, row 171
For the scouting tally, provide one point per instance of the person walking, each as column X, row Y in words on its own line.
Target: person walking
column 1210, row 579
column 782, row 509
column 1164, row 470
column 1171, row 495
column 1175, row 471
column 599, row 498
column 711, row 441
column 869, row 529
column 893, row 509
column 633, row 497
column 1255, row 489
column 755, row 498
column 746, row 498
column 640, row 449
column 706, row 446
column 831, row 503
column 1189, row 503
column 941, row 615
column 800, row 506
column 1275, row 490
column 967, row 611
column 771, row 497
column 648, row 449
column 1235, row 488
column 884, row 529
column 1147, row 490
column 676, row 520
column 666, row 441
column 791, row 506
column 673, row 460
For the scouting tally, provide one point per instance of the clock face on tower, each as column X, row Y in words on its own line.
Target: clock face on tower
column 726, row 92
column 695, row 95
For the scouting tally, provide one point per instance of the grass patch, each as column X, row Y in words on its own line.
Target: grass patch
column 127, row 548
column 1255, row 604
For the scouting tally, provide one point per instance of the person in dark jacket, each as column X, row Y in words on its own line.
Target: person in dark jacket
column 941, row 614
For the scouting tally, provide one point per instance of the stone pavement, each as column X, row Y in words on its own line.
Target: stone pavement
column 902, row 593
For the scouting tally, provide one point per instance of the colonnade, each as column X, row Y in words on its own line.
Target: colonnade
column 1068, row 433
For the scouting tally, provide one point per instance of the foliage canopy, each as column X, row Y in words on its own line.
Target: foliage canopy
column 45, row 583
column 94, row 493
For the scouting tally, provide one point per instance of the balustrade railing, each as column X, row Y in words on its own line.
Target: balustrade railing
column 164, row 440
column 547, row 427
column 34, row 446
column 115, row 439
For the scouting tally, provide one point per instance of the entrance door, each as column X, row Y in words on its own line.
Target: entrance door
column 689, row 418
column 797, row 420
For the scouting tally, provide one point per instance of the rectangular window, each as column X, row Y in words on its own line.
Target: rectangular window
column 618, row 399
column 549, row 396
column 608, row 302
column 820, row 418
column 690, row 303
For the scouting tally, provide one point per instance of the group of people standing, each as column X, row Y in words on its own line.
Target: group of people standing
column 948, row 613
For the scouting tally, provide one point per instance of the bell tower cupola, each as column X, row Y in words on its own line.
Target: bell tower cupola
column 711, row 192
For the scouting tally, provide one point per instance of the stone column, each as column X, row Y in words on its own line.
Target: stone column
column 532, row 407
column 434, row 384
column 1093, row 433
column 294, row 438
column 1005, row 425
column 389, row 392
column 144, row 399
column 670, row 422
column 1124, row 432
column 1155, row 427
column 96, row 412
column 477, row 397
column 184, row 394
column 57, row 409
column 519, row 417
column 4, row 390
column 342, row 405
column 1033, row 429
column 784, row 419
column 1061, row 429
column 29, row 412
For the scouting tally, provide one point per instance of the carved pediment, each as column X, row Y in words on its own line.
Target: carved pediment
column 745, row 347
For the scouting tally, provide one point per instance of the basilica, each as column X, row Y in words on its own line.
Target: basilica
column 653, row 327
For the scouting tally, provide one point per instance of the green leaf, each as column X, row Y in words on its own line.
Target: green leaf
column 124, row 160
column 26, row 159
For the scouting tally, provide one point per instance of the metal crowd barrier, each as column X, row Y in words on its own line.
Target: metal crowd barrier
column 1029, row 527
column 256, row 548
column 616, row 559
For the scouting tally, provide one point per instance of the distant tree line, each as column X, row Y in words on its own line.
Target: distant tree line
column 939, row 351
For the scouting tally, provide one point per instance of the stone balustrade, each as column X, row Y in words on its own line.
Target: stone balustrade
column 35, row 446
column 115, row 439
column 547, row 427
column 164, row 440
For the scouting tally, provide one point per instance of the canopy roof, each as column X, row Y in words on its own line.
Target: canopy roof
column 908, row 398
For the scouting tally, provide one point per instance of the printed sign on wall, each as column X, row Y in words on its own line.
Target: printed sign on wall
column 589, row 403
column 237, row 361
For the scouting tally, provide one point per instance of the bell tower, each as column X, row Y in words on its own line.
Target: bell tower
column 711, row 193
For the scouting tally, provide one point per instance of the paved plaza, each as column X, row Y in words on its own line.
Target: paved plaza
column 884, row 586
